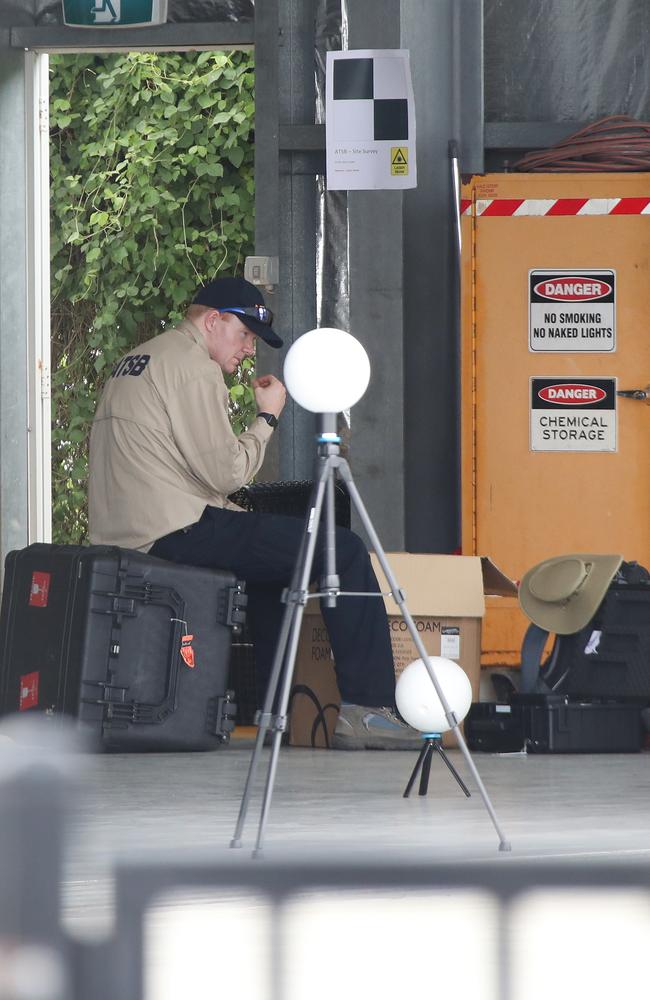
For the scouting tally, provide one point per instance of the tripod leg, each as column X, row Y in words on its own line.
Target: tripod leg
column 453, row 770
column 426, row 769
column 281, row 659
column 300, row 584
column 285, row 693
column 414, row 772
column 264, row 721
column 355, row 497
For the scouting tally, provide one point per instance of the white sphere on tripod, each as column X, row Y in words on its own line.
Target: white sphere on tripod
column 417, row 699
column 326, row 370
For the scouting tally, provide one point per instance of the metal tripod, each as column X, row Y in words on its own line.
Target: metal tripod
column 273, row 716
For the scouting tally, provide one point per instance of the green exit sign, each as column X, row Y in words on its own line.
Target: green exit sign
column 113, row 13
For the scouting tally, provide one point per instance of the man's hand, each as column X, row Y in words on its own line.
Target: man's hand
column 270, row 394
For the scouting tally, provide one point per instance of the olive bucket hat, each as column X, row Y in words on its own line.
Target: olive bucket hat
column 562, row 594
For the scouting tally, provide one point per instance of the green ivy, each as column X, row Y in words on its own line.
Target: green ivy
column 151, row 195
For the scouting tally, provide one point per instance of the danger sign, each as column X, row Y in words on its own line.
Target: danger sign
column 572, row 311
column 573, row 414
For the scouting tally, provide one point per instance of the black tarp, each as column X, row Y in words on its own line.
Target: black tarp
column 566, row 60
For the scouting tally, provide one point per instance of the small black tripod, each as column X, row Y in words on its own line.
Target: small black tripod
column 432, row 744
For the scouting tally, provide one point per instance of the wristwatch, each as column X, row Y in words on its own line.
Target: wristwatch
column 271, row 420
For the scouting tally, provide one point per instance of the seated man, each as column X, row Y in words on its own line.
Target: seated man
column 163, row 461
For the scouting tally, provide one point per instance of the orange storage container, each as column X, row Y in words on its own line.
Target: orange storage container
column 555, row 375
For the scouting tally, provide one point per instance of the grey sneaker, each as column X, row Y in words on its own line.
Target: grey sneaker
column 360, row 727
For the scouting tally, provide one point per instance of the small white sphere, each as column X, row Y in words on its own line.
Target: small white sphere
column 417, row 699
column 326, row 370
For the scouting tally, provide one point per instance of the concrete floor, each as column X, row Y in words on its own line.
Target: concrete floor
column 558, row 806
column 379, row 942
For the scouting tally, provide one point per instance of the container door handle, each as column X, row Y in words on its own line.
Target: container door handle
column 641, row 394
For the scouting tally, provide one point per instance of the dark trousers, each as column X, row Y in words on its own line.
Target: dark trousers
column 262, row 549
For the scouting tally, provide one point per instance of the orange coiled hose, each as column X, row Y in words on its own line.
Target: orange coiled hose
column 615, row 143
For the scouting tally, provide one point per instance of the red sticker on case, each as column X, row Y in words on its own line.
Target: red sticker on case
column 39, row 589
column 28, row 691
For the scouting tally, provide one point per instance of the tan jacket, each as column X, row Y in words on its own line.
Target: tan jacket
column 161, row 445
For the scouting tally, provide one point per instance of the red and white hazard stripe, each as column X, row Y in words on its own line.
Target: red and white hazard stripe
column 556, row 206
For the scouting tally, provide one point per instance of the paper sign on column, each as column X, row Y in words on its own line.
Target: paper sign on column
column 370, row 120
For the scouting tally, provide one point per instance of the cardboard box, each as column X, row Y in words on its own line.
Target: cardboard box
column 445, row 596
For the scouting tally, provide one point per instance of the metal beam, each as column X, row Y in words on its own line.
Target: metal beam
column 376, row 315
column 528, row 135
column 285, row 200
column 38, row 296
column 465, row 92
column 267, row 190
column 303, row 138
column 13, row 302
column 445, row 41
column 298, row 219
column 191, row 35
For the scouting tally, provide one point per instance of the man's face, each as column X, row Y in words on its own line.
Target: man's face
column 228, row 340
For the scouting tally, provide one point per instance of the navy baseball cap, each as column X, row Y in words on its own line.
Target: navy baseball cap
column 240, row 297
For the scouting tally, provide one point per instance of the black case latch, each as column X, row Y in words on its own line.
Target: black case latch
column 236, row 610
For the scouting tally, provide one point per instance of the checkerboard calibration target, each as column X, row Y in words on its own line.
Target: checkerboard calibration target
column 380, row 83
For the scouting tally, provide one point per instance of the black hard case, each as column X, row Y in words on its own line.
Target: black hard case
column 542, row 723
column 96, row 632
column 494, row 728
column 557, row 724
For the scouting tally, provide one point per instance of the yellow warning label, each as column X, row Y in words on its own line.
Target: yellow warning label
column 399, row 160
